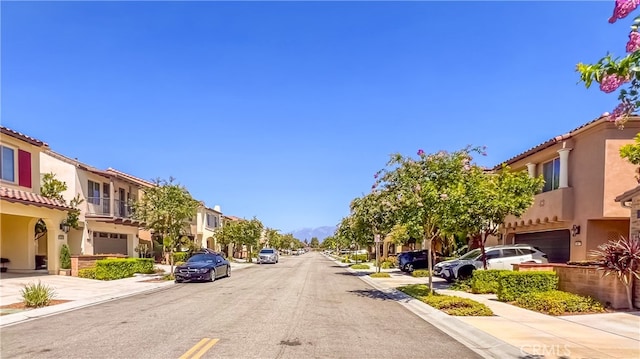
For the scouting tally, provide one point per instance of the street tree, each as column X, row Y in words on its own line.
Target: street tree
column 166, row 209
column 426, row 193
column 54, row 188
column 612, row 73
column 315, row 243
column 487, row 198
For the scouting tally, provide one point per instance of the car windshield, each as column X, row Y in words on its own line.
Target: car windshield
column 266, row 251
column 471, row 255
column 202, row 258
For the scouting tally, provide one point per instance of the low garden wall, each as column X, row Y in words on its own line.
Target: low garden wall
column 587, row 281
column 89, row 261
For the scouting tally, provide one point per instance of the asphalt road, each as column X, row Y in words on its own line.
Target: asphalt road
column 303, row 307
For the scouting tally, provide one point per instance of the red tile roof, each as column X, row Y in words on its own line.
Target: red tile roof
column 553, row 141
column 14, row 195
column 137, row 180
column 21, row 136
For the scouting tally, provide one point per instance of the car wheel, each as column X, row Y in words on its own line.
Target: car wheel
column 228, row 271
column 409, row 267
column 212, row 275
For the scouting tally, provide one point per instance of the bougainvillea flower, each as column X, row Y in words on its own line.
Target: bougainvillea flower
column 624, row 109
column 610, row 83
column 633, row 44
column 420, row 152
column 622, row 9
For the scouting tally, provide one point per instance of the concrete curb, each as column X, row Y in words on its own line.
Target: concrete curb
column 483, row 344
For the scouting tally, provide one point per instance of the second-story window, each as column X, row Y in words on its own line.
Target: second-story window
column 93, row 193
column 7, row 164
column 551, row 173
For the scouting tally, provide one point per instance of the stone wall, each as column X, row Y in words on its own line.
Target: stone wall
column 88, row 261
column 588, row 281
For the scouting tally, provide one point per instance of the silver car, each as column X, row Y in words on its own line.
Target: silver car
column 268, row 255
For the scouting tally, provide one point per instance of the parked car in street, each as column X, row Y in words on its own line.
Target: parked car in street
column 412, row 260
column 204, row 266
column 268, row 255
column 498, row 257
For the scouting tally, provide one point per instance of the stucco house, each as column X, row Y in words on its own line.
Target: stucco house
column 576, row 210
column 106, row 223
column 203, row 227
column 22, row 206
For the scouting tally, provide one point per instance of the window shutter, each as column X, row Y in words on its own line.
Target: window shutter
column 24, row 168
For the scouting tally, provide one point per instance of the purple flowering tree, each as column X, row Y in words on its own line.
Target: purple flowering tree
column 621, row 74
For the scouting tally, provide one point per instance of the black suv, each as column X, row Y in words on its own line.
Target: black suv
column 408, row 261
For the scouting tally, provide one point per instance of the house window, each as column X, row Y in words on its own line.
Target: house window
column 7, row 164
column 212, row 220
column 93, row 193
column 551, row 173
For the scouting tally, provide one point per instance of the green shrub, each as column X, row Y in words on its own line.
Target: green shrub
column 180, row 256
column 65, row 257
column 359, row 266
column 420, row 273
column 179, row 263
column 388, row 262
column 449, row 304
column 109, row 269
column 485, row 281
column 386, row 265
column 89, row 273
column 380, row 275
column 463, row 285
column 37, row 295
column 512, row 285
column 557, row 302
column 346, row 260
column 168, row 277
column 359, row 257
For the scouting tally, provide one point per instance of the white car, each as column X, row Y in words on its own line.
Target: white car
column 268, row 255
column 498, row 257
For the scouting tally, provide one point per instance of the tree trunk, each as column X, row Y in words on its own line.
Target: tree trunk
column 430, row 263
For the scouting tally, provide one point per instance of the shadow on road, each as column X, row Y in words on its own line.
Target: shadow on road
column 376, row 294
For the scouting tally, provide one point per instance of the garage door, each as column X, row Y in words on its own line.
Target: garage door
column 109, row 243
column 556, row 244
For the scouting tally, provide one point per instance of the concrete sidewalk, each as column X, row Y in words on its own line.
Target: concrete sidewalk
column 80, row 292
column 520, row 333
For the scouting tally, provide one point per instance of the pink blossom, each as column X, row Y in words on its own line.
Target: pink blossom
column 622, row 9
column 610, row 83
column 420, row 152
column 375, row 175
column 624, row 109
column 633, row 44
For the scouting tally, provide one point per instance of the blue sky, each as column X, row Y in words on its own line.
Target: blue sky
column 285, row 110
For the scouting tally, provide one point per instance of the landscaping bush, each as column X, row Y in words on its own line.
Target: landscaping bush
column 463, row 285
column 386, row 263
column 89, row 273
column 512, row 285
column 109, row 269
column 557, row 302
column 380, row 275
column 180, row 256
column 420, row 273
column 65, row 257
column 360, row 257
column 451, row 305
column 37, row 295
column 359, row 266
column 485, row 281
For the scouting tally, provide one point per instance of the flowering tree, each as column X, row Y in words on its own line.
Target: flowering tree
column 612, row 73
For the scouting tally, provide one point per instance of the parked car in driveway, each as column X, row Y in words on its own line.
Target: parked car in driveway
column 268, row 255
column 411, row 260
column 498, row 257
column 205, row 266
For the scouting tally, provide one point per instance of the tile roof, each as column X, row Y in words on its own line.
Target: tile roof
column 626, row 196
column 14, row 195
column 22, row 136
column 553, row 141
column 130, row 177
column 78, row 164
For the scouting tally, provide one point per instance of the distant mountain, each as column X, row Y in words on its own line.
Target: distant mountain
column 320, row 232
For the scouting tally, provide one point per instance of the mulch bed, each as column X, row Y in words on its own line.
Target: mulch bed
column 15, row 307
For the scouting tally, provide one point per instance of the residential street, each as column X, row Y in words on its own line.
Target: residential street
column 303, row 307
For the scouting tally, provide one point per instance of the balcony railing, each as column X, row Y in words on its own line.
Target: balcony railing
column 101, row 206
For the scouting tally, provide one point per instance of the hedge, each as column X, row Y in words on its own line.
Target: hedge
column 557, row 302
column 420, row 273
column 87, row 273
column 180, row 256
column 513, row 285
column 486, row 281
column 109, row 269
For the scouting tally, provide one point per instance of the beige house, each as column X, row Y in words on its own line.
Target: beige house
column 106, row 223
column 22, row 206
column 577, row 210
column 203, row 227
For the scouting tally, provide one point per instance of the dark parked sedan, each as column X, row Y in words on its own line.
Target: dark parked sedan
column 203, row 267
